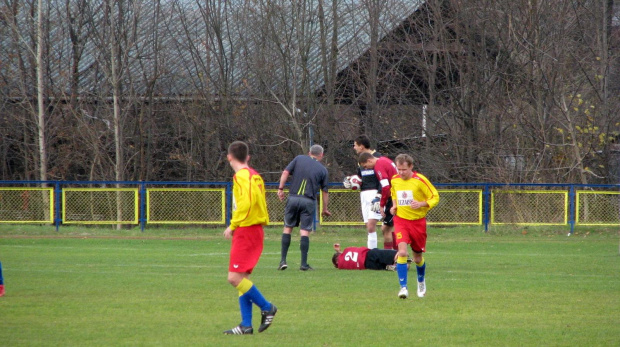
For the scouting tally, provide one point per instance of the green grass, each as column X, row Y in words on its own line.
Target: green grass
column 167, row 287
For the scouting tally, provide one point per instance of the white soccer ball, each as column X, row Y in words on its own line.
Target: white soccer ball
column 356, row 182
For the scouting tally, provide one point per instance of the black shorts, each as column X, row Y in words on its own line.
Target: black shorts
column 299, row 212
column 389, row 218
column 378, row 259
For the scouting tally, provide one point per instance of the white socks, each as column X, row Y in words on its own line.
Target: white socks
column 372, row 240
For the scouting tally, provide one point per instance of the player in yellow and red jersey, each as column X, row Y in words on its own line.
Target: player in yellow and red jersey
column 413, row 195
column 246, row 230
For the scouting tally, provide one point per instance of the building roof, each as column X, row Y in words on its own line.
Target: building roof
column 176, row 37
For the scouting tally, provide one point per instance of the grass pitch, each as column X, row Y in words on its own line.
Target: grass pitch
column 166, row 287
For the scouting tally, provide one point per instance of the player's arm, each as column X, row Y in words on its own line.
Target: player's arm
column 394, row 200
column 241, row 192
column 283, row 179
column 382, row 175
column 432, row 196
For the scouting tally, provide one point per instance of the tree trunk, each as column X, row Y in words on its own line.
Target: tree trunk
column 40, row 96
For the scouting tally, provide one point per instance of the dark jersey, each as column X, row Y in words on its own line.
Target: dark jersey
column 353, row 258
column 369, row 179
column 309, row 175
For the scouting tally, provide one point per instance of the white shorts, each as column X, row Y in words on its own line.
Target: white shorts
column 366, row 197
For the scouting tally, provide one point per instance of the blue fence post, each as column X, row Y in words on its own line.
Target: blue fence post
column 485, row 216
column 571, row 208
column 142, row 205
column 57, row 215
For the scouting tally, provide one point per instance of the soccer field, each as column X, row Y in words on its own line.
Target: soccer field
column 509, row 288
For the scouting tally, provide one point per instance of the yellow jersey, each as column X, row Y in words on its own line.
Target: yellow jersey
column 249, row 203
column 404, row 192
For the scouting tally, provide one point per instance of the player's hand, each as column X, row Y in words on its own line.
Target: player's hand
column 375, row 204
column 326, row 213
column 228, row 233
column 337, row 247
column 347, row 182
column 281, row 195
column 393, row 210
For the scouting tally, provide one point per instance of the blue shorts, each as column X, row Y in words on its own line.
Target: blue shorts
column 299, row 212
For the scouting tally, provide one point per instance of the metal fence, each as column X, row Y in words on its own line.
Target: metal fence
column 210, row 203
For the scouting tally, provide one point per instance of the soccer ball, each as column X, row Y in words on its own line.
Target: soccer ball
column 356, row 182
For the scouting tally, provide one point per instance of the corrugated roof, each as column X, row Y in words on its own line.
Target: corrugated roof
column 174, row 36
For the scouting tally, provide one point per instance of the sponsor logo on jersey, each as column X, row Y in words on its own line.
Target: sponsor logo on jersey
column 367, row 172
column 405, row 197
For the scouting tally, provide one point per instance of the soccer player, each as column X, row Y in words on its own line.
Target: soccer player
column 1, row 282
column 309, row 175
column 246, row 230
column 384, row 169
column 361, row 258
column 413, row 195
column 368, row 190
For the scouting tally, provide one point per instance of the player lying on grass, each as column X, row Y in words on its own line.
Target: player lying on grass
column 364, row 258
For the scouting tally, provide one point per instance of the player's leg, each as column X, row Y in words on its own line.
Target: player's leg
column 245, row 304
column 420, row 266
column 402, row 239
column 418, row 245
column 291, row 220
column 284, row 246
column 371, row 227
column 388, row 241
column 306, row 224
column 380, row 259
column 370, row 218
column 388, row 222
column 245, row 252
column 1, row 281
column 304, row 247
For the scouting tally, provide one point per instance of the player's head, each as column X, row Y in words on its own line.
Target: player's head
column 316, row 151
column 361, row 144
column 335, row 259
column 239, row 152
column 404, row 165
column 367, row 160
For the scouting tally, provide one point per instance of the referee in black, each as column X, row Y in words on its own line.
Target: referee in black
column 309, row 175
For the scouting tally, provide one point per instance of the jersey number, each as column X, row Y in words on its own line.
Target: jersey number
column 351, row 256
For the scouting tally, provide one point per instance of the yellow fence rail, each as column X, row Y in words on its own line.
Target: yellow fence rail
column 100, row 206
column 186, row 205
column 529, row 207
column 597, row 208
column 456, row 207
column 494, row 204
column 26, row 205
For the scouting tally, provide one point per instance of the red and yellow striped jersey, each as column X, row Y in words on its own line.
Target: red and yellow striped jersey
column 418, row 187
column 249, row 203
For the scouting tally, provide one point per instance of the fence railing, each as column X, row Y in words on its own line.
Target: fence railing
column 204, row 203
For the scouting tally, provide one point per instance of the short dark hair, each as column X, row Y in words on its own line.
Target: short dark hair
column 363, row 140
column 335, row 259
column 364, row 157
column 239, row 150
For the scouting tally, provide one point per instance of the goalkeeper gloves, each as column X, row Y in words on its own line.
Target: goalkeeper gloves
column 347, row 182
column 375, row 204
